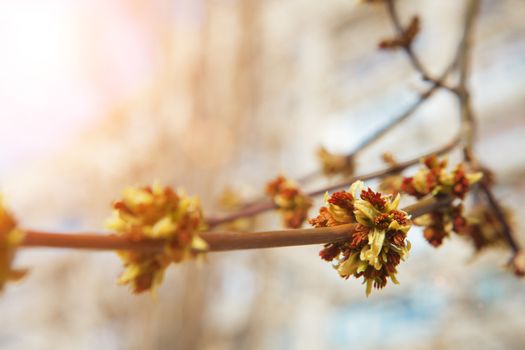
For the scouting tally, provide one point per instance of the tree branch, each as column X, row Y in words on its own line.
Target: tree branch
column 217, row 241
column 390, row 125
column 468, row 120
column 416, row 63
column 498, row 210
column 267, row 205
column 464, row 61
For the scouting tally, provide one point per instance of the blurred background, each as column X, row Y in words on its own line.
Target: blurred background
column 204, row 94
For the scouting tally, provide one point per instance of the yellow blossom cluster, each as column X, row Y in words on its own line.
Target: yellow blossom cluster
column 434, row 179
column 484, row 229
column 292, row 203
column 378, row 243
column 10, row 239
column 156, row 212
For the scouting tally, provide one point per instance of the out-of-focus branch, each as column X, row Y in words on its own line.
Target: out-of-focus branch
column 267, row 205
column 407, row 47
column 409, row 50
column 507, row 229
column 464, row 62
column 389, row 171
column 391, row 124
column 423, row 97
column 468, row 120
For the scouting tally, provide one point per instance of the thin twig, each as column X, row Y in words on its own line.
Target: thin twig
column 468, row 120
column 217, row 241
column 267, row 205
column 391, row 124
column 423, row 97
column 498, row 210
column 418, row 66
column 464, row 61
column 389, row 171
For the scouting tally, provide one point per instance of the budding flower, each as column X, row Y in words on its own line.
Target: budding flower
column 378, row 243
column 156, row 213
column 405, row 39
column 10, row 239
column 292, row 203
column 439, row 224
column 484, row 229
column 433, row 179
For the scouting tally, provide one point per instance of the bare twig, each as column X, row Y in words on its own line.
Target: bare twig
column 267, row 205
column 424, row 96
column 507, row 230
column 416, row 63
column 401, row 117
column 464, row 61
column 389, row 171
column 468, row 120
column 390, row 125
column 409, row 50
column 217, row 241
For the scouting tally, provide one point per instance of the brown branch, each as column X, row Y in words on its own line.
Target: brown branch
column 464, row 62
column 413, row 57
column 498, row 210
column 423, row 97
column 390, row 125
column 407, row 47
column 385, row 172
column 217, row 241
column 418, row 66
column 468, row 120
column 267, row 205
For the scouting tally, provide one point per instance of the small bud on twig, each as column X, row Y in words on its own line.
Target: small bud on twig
column 405, row 39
